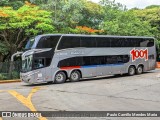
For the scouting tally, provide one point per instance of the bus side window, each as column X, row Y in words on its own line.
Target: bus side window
column 79, row 61
column 69, row 42
column 125, row 58
column 48, row 42
column 88, row 42
column 150, row 44
column 86, row 60
column 103, row 42
column 117, row 42
column 39, row 63
column 109, row 59
column 101, row 60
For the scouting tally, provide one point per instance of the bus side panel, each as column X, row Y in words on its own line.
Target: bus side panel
column 103, row 70
column 88, row 71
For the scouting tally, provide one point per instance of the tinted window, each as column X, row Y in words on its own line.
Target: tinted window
column 125, row 42
column 118, row 42
column 38, row 63
column 48, row 42
column 131, row 42
column 75, row 61
column 103, row 42
column 139, row 42
column 93, row 60
column 88, row 42
column 87, row 60
column 147, row 43
column 97, row 60
column 69, row 42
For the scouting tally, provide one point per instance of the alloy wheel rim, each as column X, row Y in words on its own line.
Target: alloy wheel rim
column 59, row 77
column 74, row 76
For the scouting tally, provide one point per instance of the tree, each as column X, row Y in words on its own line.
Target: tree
column 14, row 3
column 85, row 30
column 93, row 14
column 65, row 13
column 152, row 6
column 119, row 21
column 128, row 25
column 17, row 25
column 152, row 15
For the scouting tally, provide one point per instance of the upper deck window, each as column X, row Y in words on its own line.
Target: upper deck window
column 90, row 42
column 48, row 42
column 73, row 42
column 103, row 41
column 69, row 42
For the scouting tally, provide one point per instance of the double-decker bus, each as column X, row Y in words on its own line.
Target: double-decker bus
column 58, row 57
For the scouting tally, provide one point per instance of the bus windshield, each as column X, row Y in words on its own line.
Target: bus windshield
column 27, row 63
column 29, row 43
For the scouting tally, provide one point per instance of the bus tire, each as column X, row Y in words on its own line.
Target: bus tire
column 60, row 77
column 139, row 69
column 131, row 70
column 75, row 76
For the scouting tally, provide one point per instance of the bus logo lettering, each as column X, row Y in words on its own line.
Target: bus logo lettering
column 136, row 54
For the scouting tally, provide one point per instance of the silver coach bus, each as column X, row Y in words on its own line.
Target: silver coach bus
column 58, row 57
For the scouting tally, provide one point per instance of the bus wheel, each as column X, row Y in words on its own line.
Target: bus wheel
column 75, row 76
column 131, row 70
column 60, row 77
column 139, row 70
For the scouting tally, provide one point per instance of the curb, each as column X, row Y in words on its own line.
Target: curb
column 9, row 81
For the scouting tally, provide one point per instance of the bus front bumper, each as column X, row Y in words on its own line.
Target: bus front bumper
column 31, row 78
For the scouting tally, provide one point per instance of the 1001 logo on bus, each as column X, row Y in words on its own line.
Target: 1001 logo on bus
column 136, row 54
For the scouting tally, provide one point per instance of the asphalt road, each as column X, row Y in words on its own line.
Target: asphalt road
column 126, row 93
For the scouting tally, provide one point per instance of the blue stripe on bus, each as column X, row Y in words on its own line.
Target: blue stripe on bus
column 90, row 66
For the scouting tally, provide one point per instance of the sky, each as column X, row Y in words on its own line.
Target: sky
column 136, row 3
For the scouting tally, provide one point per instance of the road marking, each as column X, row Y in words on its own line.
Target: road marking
column 26, row 101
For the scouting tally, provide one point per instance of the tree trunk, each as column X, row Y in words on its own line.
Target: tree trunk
column 13, row 50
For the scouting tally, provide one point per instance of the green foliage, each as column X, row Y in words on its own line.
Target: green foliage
column 93, row 14
column 3, row 49
column 17, row 25
column 20, row 21
column 125, row 23
column 152, row 15
column 14, row 3
column 153, row 6
column 3, row 76
column 15, row 75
